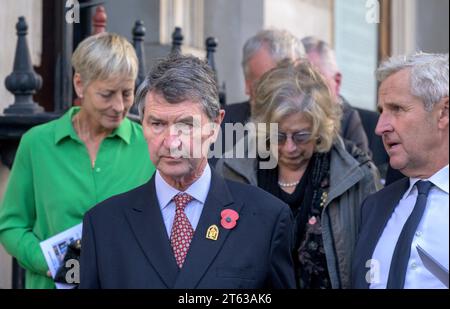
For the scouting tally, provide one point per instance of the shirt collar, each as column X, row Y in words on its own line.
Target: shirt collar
column 198, row 190
column 123, row 131
column 439, row 179
column 64, row 127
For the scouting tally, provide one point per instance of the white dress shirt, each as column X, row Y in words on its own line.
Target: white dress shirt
column 431, row 235
column 198, row 190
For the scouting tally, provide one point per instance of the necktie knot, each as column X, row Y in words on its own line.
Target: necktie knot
column 423, row 187
column 181, row 200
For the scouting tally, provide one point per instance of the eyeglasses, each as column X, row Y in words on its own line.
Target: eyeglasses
column 298, row 138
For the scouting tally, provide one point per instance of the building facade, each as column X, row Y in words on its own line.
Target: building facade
column 361, row 31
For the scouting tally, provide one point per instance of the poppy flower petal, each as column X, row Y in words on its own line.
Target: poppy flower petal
column 229, row 213
column 228, row 225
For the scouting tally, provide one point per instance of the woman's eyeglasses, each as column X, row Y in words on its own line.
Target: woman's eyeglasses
column 298, row 138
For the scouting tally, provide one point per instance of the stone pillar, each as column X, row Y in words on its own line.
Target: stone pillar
column 403, row 27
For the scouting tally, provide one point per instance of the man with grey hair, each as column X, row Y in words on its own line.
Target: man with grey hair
column 404, row 238
column 263, row 51
column 186, row 227
column 260, row 54
column 322, row 56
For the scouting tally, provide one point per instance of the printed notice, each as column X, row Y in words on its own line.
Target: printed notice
column 55, row 248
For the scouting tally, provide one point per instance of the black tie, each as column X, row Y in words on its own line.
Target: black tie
column 400, row 258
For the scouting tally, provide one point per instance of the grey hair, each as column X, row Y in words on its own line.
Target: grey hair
column 280, row 44
column 429, row 75
column 326, row 53
column 179, row 78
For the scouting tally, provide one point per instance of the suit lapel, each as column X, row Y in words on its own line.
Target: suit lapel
column 203, row 251
column 378, row 218
column 146, row 222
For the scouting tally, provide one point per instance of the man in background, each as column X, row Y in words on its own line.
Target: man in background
column 260, row 54
column 322, row 56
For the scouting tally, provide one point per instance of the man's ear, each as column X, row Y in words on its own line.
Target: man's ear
column 248, row 87
column 338, row 81
column 218, row 121
column 443, row 113
column 220, row 117
column 78, row 85
column 215, row 126
column 212, row 132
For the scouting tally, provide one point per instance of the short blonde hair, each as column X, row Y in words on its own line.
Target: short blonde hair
column 104, row 55
column 296, row 87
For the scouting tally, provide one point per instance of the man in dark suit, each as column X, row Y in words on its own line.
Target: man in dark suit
column 404, row 239
column 187, row 227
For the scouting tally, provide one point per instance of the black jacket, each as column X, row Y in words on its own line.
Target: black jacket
column 376, row 211
column 125, row 242
column 352, row 127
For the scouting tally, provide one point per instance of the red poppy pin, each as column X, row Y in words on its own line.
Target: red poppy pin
column 229, row 218
column 312, row 220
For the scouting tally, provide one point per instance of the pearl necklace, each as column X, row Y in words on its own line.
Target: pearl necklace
column 288, row 184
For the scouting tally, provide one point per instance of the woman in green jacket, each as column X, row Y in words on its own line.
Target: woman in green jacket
column 65, row 167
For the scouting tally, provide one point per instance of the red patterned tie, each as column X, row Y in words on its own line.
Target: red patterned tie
column 182, row 231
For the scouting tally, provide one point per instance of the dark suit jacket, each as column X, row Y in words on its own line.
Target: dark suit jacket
column 369, row 120
column 375, row 213
column 352, row 128
column 234, row 113
column 125, row 243
column 237, row 113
